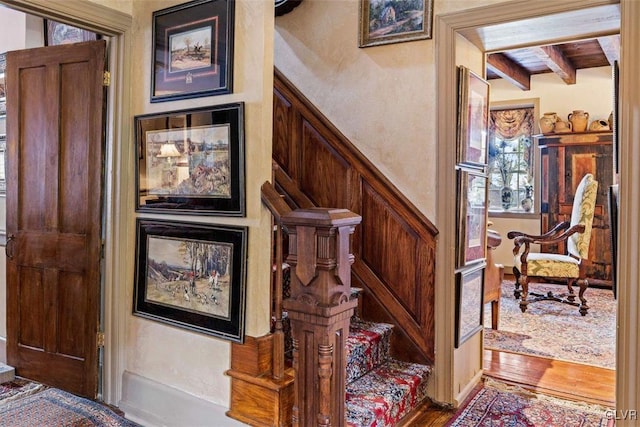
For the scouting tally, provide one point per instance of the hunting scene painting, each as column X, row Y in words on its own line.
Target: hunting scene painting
column 189, row 162
column 189, row 274
column 192, row 276
column 392, row 21
column 190, row 50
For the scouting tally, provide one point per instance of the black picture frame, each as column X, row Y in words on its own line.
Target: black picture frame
column 471, row 214
column 57, row 33
column 473, row 118
column 191, row 161
column 192, row 50
column 469, row 304
column 615, row 117
column 192, row 276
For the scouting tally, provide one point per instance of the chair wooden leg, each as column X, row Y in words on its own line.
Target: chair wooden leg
column 495, row 313
column 516, row 290
column 584, row 284
column 572, row 296
column 523, row 280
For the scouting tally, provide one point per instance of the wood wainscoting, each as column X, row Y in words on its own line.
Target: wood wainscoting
column 395, row 245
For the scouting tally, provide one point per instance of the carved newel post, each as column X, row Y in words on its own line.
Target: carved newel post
column 320, row 308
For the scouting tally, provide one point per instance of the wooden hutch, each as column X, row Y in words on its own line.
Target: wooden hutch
column 564, row 159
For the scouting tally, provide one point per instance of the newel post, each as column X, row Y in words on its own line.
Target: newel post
column 320, row 309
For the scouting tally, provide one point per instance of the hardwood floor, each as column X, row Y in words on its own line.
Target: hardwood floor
column 566, row 380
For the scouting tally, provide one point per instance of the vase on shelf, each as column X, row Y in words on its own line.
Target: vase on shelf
column 548, row 122
column 505, row 196
column 527, row 202
column 579, row 120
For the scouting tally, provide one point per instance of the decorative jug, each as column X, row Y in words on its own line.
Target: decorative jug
column 563, row 127
column 598, row 125
column 548, row 122
column 579, row 120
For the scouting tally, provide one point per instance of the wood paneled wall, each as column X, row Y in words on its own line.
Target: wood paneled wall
column 394, row 247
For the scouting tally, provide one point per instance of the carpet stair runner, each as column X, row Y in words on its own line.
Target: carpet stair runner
column 380, row 390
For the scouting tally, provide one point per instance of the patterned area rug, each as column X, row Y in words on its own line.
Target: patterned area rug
column 498, row 404
column 18, row 388
column 555, row 330
column 53, row 407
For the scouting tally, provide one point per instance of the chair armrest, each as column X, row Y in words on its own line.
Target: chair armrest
column 542, row 240
column 559, row 227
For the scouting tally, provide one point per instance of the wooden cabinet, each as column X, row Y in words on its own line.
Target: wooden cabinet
column 564, row 160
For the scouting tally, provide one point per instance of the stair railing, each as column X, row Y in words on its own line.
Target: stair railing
column 278, row 207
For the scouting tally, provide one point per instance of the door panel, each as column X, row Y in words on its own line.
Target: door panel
column 54, row 186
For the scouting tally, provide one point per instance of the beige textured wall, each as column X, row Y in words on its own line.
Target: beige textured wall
column 381, row 98
column 192, row 362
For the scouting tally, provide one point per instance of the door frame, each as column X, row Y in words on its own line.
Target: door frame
column 447, row 30
column 118, row 198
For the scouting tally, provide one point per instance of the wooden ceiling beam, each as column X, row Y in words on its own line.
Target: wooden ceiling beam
column 557, row 62
column 610, row 47
column 509, row 70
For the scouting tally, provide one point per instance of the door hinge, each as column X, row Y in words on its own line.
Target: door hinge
column 100, row 339
column 106, row 78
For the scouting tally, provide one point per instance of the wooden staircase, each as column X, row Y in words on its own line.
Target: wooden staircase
column 373, row 237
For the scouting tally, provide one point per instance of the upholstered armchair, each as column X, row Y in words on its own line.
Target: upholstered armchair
column 569, row 266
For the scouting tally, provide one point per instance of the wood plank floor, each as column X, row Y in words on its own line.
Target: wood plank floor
column 570, row 381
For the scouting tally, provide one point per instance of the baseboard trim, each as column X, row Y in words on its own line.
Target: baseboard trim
column 3, row 349
column 153, row 404
column 464, row 393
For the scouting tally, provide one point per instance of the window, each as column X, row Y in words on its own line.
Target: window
column 511, row 160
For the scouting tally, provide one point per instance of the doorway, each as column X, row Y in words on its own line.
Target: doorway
column 449, row 29
column 116, row 227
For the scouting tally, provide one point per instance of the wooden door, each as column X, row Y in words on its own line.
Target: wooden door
column 54, row 168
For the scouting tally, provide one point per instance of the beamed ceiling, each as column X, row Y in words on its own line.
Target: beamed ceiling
column 560, row 43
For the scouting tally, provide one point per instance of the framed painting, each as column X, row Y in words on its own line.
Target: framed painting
column 615, row 69
column 191, row 161
column 472, row 217
column 192, row 50
column 394, row 21
column 469, row 310
column 473, row 118
column 191, row 276
column 57, row 33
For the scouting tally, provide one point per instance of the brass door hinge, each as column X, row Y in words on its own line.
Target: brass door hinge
column 106, row 78
column 100, row 339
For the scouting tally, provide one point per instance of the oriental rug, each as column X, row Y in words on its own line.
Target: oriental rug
column 17, row 389
column 53, row 407
column 499, row 404
column 556, row 330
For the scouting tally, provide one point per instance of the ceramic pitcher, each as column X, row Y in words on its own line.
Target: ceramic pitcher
column 579, row 120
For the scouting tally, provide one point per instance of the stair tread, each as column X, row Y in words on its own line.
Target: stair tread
column 386, row 394
column 367, row 347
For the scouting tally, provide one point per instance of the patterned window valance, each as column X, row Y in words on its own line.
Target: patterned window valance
column 510, row 124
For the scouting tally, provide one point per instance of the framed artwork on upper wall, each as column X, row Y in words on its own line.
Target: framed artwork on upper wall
column 57, row 33
column 192, row 50
column 473, row 118
column 394, row 21
column 191, row 161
